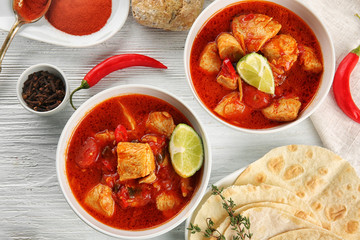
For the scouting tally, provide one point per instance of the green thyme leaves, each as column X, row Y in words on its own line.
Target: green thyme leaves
column 238, row 223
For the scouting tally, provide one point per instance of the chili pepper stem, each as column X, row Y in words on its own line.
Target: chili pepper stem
column 356, row 51
column 84, row 85
column 71, row 95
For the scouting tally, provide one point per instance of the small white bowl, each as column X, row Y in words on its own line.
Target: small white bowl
column 73, row 122
column 51, row 69
column 311, row 20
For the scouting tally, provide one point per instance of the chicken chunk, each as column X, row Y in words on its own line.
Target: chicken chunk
column 210, row 60
column 230, row 106
column 161, row 123
column 100, row 199
column 105, row 136
column 185, row 186
column 283, row 110
column 167, row 201
column 229, row 47
column 149, row 179
column 227, row 82
column 135, row 160
column 281, row 52
column 309, row 60
column 252, row 31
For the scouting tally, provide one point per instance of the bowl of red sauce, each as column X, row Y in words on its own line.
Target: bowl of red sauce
column 293, row 41
column 114, row 167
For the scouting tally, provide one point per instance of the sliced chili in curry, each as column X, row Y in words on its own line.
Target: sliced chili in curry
column 135, row 203
column 299, row 83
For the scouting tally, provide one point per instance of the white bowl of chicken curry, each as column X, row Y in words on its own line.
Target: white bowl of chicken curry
column 114, row 166
column 296, row 45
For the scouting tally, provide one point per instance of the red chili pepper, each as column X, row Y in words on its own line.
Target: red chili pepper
column 121, row 134
column 228, row 69
column 112, row 64
column 341, row 85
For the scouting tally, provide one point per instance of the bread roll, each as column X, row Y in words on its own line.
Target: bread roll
column 173, row 15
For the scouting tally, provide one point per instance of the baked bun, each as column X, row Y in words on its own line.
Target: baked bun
column 173, row 15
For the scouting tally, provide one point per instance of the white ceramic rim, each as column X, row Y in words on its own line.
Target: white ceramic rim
column 43, row 31
column 313, row 22
column 51, row 69
column 80, row 113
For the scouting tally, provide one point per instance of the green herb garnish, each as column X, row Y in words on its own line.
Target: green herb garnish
column 238, row 222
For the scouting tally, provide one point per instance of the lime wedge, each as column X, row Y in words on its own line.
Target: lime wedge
column 186, row 150
column 255, row 70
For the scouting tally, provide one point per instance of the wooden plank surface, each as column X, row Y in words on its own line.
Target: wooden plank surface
column 31, row 203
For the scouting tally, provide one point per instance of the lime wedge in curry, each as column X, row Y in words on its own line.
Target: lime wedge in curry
column 186, row 150
column 255, row 70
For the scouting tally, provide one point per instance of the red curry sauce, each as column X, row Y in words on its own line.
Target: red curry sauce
column 298, row 82
column 106, row 116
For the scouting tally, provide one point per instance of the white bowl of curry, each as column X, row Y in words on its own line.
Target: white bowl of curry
column 296, row 45
column 113, row 162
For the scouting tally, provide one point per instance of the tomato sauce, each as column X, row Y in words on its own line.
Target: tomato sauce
column 298, row 82
column 107, row 116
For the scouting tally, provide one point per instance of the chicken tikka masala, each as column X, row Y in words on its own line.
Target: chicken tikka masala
column 282, row 37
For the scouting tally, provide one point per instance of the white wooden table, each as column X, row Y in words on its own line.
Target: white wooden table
column 31, row 203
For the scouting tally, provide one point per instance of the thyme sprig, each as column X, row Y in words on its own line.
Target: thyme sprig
column 239, row 223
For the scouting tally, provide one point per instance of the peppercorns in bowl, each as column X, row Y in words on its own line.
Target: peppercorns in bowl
column 43, row 89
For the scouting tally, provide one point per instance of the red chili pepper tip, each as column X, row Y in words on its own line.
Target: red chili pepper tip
column 341, row 85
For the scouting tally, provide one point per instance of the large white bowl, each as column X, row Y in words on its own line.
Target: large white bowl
column 73, row 123
column 312, row 21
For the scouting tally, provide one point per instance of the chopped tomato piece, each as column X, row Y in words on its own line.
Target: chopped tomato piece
column 121, row 134
column 123, row 196
column 133, row 197
column 88, row 154
column 109, row 165
column 255, row 98
column 110, row 179
column 156, row 142
column 139, row 197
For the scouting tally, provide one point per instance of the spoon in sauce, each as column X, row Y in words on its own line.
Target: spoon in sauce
column 26, row 11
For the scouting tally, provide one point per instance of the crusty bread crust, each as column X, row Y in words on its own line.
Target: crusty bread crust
column 173, row 15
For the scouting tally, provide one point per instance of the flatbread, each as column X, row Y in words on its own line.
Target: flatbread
column 306, row 169
column 306, row 233
column 242, row 195
column 283, row 208
column 267, row 222
column 321, row 178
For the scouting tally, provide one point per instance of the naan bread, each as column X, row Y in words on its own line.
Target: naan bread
column 306, row 233
column 318, row 176
column 242, row 195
